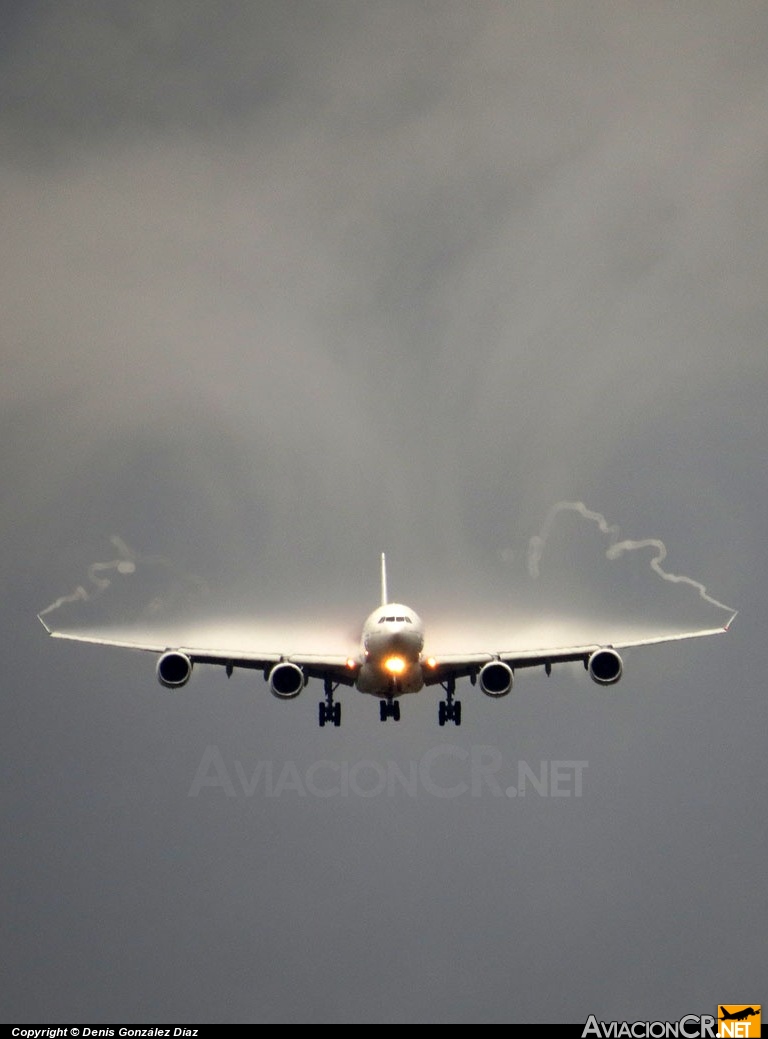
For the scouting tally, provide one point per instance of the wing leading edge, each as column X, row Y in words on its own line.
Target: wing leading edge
column 446, row 666
column 435, row 670
column 334, row 666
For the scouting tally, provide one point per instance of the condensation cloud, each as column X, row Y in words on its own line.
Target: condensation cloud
column 615, row 550
column 102, row 575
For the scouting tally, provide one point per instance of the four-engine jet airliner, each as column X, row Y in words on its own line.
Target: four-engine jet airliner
column 738, row 1015
column 391, row 661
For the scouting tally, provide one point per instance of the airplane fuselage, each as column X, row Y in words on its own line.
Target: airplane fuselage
column 390, row 651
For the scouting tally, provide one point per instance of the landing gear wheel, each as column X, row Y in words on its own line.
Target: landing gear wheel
column 329, row 711
column 449, row 710
column 389, row 709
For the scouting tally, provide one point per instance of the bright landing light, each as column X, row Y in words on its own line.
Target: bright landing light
column 395, row 665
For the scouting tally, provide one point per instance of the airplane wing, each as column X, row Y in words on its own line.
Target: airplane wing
column 600, row 658
column 335, row 666
column 444, row 666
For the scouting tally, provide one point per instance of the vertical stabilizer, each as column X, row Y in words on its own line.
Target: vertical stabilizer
column 384, row 597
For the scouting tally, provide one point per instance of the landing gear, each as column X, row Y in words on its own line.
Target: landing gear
column 449, row 710
column 330, row 714
column 329, row 711
column 389, row 708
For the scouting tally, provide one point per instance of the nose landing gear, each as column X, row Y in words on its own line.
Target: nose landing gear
column 389, row 708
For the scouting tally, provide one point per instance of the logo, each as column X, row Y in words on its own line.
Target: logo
column 733, row 1021
column 738, row 1021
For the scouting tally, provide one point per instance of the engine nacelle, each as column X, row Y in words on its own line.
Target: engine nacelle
column 496, row 678
column 286, row 681
column 605, row 666
column 173, row 669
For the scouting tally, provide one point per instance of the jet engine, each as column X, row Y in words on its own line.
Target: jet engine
column 173, row 669
column 286, row 681
column 605, row 666
column 496, row 678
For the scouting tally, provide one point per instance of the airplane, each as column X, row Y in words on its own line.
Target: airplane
column 391, row 662
column 738, row 1015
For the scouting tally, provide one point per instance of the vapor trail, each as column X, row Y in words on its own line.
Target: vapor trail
column 538, row 542
column 125, row 564
column 614, row 551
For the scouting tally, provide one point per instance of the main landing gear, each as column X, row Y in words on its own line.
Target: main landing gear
column 449, row 710
column 329, row 711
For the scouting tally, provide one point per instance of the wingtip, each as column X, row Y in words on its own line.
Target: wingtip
column 733, row 617
column 40, row 618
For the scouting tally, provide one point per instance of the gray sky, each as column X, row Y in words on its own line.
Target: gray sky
column 288, row 284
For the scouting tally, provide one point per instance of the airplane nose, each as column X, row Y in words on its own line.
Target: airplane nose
column 404, row 641
column 407, row 639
